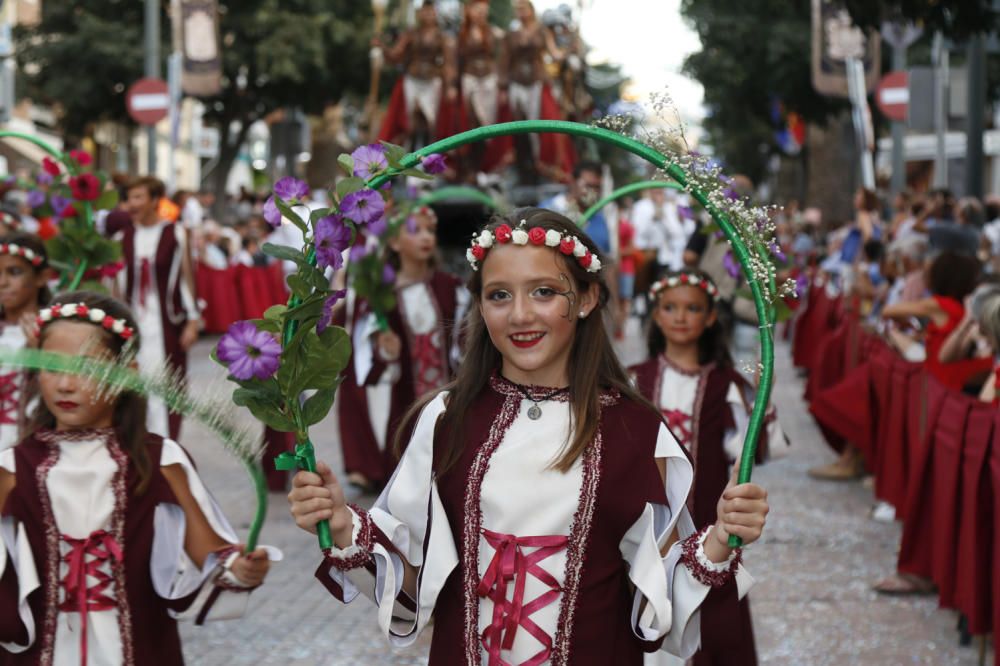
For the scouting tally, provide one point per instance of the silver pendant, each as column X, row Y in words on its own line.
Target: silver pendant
column 534, row 412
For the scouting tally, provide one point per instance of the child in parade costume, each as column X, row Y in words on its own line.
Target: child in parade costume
column 108, row 533
column 704, row 400
column 417, row 354
column 538, row 511
column 24, row 274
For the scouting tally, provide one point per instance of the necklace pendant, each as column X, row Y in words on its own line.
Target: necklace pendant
column 534, row 412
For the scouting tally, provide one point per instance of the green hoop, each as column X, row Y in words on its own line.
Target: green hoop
column 88, row 210
column 764, row 313
column 459, row 192
column 625, row 190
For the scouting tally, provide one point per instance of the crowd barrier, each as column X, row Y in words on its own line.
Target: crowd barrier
column 238, row 292
column 934, row 453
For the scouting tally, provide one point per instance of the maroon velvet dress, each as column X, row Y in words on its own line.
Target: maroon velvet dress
column 571, row 589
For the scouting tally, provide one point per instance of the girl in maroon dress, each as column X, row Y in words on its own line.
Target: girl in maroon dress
column 417, row 353
column 691, row 379
column 108, row 533
column 538, row 510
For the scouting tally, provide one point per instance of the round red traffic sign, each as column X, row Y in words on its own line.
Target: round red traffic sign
column 893, row 95
column 148, row 101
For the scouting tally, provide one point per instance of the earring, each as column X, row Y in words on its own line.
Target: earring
column 583, row 315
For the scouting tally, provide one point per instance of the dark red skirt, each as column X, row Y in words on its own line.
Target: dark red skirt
column 216, row 287
column 894, row 452
column 844, row 410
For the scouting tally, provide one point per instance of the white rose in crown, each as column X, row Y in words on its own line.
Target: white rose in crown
column 579, row 249
column 553, row 238
column 486, row 239
column 96, row 315
column 519, row 237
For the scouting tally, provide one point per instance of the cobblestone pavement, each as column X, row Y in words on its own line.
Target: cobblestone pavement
column 812, row 603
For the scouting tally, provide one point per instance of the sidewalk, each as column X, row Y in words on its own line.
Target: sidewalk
column 811, row 605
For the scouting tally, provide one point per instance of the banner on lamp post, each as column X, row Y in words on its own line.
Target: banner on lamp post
column 201, row 74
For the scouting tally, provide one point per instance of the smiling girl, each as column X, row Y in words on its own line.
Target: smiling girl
column 538, row 512
column 107, row 532
column 24, row 274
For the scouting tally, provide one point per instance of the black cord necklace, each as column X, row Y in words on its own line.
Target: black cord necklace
column 535, row 412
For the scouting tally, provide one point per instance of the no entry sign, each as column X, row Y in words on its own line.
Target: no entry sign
column 893, row 96
column 148, row 101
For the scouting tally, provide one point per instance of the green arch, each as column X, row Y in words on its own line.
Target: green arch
column 624, row 191
column 88, row 209
column 460, row 192
column 658, row 160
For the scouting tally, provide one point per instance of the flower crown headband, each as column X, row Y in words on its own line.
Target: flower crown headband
column 84, row 312
column 503, row 234
column 16, row 250
column 685, row 280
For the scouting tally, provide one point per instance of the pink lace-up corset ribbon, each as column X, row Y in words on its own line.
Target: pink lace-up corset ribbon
column 429, row 371
column 85, row 558
column 511, row 564
column 9, row 397
column 679, row 424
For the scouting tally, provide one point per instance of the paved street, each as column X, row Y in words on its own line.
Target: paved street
column 811, row 605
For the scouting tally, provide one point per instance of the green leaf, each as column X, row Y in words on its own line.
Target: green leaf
column 266, row 411
column 347, row 186
column 309, row 308
column 346, row 163
column 326, row 357
column 289, row 213
column 107, row 201
column 283, row 252
column 299, row 286
column 394, row 154
column 275, row 311
column 417, row 173
column 318, row 405
column 269, row 325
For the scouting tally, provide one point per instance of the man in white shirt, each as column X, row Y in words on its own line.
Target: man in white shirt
column 660, row 231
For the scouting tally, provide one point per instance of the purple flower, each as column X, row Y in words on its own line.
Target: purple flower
column 43, row 178
column 685, row 212
column 369, row 160
column 59, row 203
column 291, row 189
column 388, row 274
column 363, row 206
column 801, row 285
column 36, row 198
column 379, row 226
column 271, row 213
column 731, row 194
column 249, row 352
column 327, row 316
column 358, row 252
column 776, row 251
column 731, row 265
column 411, row 224
column 332, row 238
column 434, row 164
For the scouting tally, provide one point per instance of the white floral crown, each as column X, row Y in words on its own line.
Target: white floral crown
column 685, row 280
column 503, row 234
column 85, row 313
column 20, row 251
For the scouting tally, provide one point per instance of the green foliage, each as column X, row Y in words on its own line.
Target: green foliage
column 754, row 51
column 956, row 20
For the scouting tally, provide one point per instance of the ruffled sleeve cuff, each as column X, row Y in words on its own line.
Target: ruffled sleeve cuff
column 18, row 579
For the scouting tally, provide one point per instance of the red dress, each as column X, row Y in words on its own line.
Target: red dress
column 953, row 375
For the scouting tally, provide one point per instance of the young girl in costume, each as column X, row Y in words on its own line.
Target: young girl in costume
column 24, row 273
column 538, row 511
column 417, row 354
column 706, row 402
column 107, row 531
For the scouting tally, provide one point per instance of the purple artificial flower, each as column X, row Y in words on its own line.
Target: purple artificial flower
column 271, row 213
column 776, row 251
column 378, row 227
column 327, row 317
column 731, row 194
column 249, row 352
column 411, row 224
column 36, row 198
column 291, row 189
column 358, row 252
column 369, row 160
column 59, row 203
column 731, row 265
column 332, row 238
column 43, row 178
column 801, row 285
column 388, row 274
column 434, row 164
column 685, row 212
column 363, row 206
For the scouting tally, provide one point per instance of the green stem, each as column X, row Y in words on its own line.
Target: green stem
column 624, row 191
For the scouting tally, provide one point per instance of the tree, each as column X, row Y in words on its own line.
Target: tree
column 956, row 20
column 754, row 53
column 276, row 54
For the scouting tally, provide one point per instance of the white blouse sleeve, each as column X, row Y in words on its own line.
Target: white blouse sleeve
column 740, row 404
column 174, row 574
column 462, row 299
column 667, row 596
column 410, row 516
column 15, row 552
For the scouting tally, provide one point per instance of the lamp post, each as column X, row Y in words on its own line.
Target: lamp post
column 377, row 59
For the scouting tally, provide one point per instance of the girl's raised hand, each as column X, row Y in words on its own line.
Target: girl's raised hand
column 29, row 326
column 318, row 496
column 251, row 568
column 742, row 510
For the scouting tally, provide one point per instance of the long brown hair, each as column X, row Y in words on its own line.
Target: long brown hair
column 130, row 410
column 593, row 365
